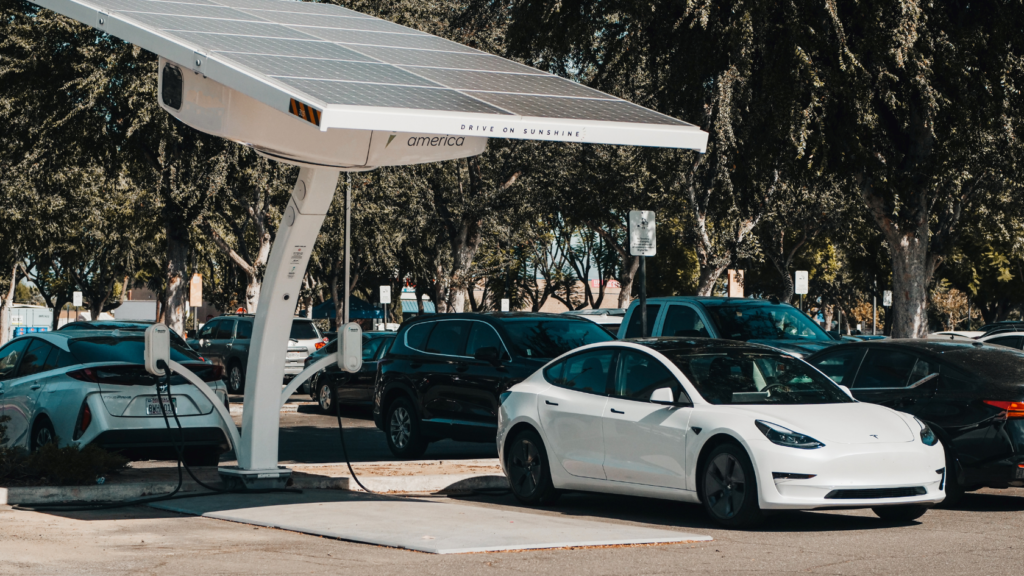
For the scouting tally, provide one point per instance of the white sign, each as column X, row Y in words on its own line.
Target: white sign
column 642, row 240
column 505, row 304
column 76, row 298
column 385, row 294
column 800, row 285
column 887, row 298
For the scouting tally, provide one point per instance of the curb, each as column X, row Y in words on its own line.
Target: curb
column 237, row 409
column 436, row 483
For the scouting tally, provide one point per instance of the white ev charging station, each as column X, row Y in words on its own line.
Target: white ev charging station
column 333, row 90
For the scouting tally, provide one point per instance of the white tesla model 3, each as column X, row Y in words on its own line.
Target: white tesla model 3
column 740, row 428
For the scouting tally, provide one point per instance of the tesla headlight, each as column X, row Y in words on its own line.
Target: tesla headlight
column 786, row 437
column 927, row 435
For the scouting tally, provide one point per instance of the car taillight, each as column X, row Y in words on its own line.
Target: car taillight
column 325, row 340
column 134, row 375
column 207, row 372
column 320, row 345
column 85, row 375
column 84, row 419
column 1013, row 409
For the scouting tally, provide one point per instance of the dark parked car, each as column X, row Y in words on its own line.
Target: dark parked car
column 971, row 394
column 444, row 373
column 225, row 340
column 332, row 384
column 1004, row 326
column 122, row 325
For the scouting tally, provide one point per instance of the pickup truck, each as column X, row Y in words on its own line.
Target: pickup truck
column 760, row 321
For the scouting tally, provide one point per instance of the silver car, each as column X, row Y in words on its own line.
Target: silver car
column 90, row 387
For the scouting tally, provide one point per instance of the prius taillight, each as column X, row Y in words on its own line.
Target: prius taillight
column 1013, row 409
column 84, row 419
column 132, row 375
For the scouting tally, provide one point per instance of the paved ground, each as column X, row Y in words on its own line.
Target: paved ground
column 982, row 537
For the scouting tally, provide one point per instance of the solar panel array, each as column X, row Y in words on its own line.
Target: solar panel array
column 337, row 56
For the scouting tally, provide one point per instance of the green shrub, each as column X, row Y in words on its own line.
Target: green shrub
column 56, row 465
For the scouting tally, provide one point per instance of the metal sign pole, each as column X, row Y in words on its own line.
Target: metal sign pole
column 643, row 296
column 348, row 237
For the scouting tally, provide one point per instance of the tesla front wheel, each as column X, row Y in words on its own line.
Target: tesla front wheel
column 529, row 475
column 403, row 430
column 729, row 488
column 326, row 398
column 236, row 379
column 900, row 514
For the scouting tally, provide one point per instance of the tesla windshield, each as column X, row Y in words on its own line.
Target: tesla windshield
column 733, row 377
column 551, row 338
column 764, row 322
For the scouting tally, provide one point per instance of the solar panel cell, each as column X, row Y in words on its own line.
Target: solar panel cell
column 500, row 82
column 333, row 21
column 272, row 46
column 181, row 23
column 417, row 98
column 294, row 7
column 329, row 70
column 418, row 41
column 477, row 61
column 576, row 108
column 177, row 9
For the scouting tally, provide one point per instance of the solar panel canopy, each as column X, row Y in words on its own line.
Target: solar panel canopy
column 327, row 67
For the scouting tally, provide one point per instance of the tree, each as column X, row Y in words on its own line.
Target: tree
column 918, row 105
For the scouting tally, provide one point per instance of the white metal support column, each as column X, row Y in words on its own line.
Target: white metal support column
column 300, row 226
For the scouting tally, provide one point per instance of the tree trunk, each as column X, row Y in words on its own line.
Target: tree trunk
column 5, row 310
column 177, row 281
column 630, row 264
column 826, row 314
column 910, row 276
column 708, row 277
column 252, row 293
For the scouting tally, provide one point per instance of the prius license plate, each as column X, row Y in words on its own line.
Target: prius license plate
column 153, row 406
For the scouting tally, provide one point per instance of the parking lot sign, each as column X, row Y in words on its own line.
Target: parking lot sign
column 195, row 291
column 505, row 304
column 385, row 294
column 800, row 285
column 642, row 239
column 76, row 298
column 887, row 298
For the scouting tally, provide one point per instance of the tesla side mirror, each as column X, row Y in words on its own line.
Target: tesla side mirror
column 488, row 354
column 847, row 390
column 663, row 396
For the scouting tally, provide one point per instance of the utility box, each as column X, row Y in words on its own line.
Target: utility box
column 26, row 319
column 136, row 310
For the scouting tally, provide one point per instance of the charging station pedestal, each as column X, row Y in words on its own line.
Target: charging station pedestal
column 234, row 478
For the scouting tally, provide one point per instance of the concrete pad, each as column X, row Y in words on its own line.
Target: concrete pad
column 415, row 524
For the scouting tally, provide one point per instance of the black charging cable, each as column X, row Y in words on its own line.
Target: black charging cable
column 341, row 432
column 179, row 448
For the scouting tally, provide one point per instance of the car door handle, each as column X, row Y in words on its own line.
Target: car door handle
column 614, row 411
column 35, row 386
column 550, row 403
column 231, row 345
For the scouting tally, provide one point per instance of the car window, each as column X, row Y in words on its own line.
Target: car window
column 633, row 328
column 130, row 349
column 541, row 338
column 483, row 335
column 682, row 321
column 553, row 373
column 840, row 365
column 9, row 357
column 953, row 380
column 244, row 330
column 304, row 330
column 59, row 359
column 416, row 336
column 764, row 322
column 225, row 329
column 587, row 372
column 449, row 337
column 638, row 375
column 370, row 348
column 34, row 361
column 885, row 369
column 1011, row 341
column 923, row 367
column 208, row 329
column 732, row 377
column 385, row 346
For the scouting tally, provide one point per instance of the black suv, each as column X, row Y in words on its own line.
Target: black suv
column 444, row 373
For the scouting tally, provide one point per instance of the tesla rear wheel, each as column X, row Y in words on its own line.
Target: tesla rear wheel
column 236, row 379
column 326, row 398
column 902, row 514
column 529, row 475
column 42, row 434
column 403, row 430
column 729, row 488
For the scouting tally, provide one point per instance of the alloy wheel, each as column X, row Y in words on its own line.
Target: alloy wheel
column 525, row 468
column 401, row 427
column 725, row 485
column 44, row 436
column 326, row 398
column 235, row 380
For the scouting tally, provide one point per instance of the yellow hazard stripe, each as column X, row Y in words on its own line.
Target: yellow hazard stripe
column 305, row 111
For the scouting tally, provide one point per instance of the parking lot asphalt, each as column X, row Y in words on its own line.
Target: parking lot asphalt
column 982, row 536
